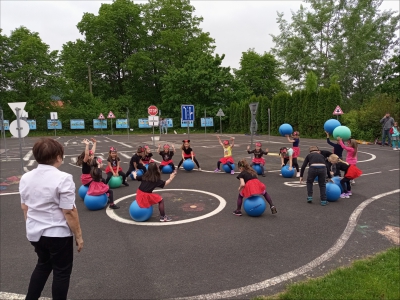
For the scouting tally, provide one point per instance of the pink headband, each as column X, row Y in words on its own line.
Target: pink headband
column 258, row 144
column 90, row 152
column 112, row 149
column 166, row 146
column 226, row 142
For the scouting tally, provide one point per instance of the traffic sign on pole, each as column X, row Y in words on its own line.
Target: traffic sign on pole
column 338, row 111
column 187, row 112
column 152, row 110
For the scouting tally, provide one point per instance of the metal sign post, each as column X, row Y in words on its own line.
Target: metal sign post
column 205, row 123
column 220, row 114
column 127, row 121
column 253, row 125
column 187, row 115
column 3, row 132
column 269, row 126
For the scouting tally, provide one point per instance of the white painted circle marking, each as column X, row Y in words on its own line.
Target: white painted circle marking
column 340, row 242
column 372, row 157
column 222, row 203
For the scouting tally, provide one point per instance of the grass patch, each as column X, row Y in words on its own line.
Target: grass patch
column 373, row 278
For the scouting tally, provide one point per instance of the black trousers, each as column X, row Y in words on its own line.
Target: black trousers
column 312, row 174
column 54, row 254
column 294, row 163
column 120, row 173
column 194, row 160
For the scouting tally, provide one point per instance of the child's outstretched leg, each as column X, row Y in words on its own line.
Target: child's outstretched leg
column 230, row 167
column 197, row 163
column 238, row 211
column 269, row 200
column 122, row 174
column 180, row 163
column 218, row 167
column 109, row 175
column 262, row 170
column 111, row 199
column 163, row 217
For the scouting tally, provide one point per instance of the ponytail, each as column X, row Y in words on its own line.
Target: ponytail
column 245, row 165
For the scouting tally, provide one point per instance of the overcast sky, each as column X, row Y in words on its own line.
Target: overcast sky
column 236, row 26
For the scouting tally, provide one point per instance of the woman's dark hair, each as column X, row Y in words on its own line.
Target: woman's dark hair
column 96, row 173
column 183, row 144
column 80, row 159
column 46, row 151
column 153, row 173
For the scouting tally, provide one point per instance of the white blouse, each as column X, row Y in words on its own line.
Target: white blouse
column 46, row 191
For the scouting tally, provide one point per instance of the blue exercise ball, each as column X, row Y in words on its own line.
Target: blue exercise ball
column 316, row 179
column 138, row 173
column 188, row 165
column 254, row 206
column 96, row 202
column 82, row 191
column 166, row 169
column 343, row 132
column 336, row 180
column 138, row 213
column 147, row 166
column 115, row 182
column 332, row 192
column 227, row 169
column 258, row 169
column 330, row 125
column 285, row 129
column 286, row 173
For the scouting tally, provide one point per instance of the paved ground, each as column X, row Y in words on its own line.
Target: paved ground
column 206, row 252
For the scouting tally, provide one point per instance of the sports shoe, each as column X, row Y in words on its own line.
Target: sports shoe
column 394, row 149
column 263, row 175
column 344, row 195
column 323, row 203
column 309, row 199
column 298, row 174
column 273, row 210
column 199, row 169
column 217, row 170
column 113, row 206
column 165, row 219
column 125, row 183
column 349, row 193
column 232, row 172
column 237, row 212
column 352, row 181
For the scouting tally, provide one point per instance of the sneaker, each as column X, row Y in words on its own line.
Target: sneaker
column 263, row 175
column 273, row 210
column 352, row 181
column 323, row 203
column 217, row 170
column 394, row 149
column 165, row 219
column 237, row 212
column 309, row 199
column 125, row 183
column 199, row 169
column 298, row 174
column 232, row 172
column 349, row 193
column 344, row 195
column 113, row 206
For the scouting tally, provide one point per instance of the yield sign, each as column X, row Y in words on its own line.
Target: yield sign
column 110, row 115
column 338, row 111
column 101, row 117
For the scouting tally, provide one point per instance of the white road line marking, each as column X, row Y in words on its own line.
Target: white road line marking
column 371, row 173
column 74, row 160
column 372, row 157
column 13, row 296
column 30, row 163
column 340, row 242
column 394, row 170
column 5, row 194
column 124, row 155
column 28, row 156
column 222, row 203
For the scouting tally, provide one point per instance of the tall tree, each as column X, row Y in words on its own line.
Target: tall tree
column 260, row 73
column 351, row 39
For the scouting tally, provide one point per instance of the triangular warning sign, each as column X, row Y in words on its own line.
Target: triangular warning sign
column 338, row 111
column 101, row 117
column 110, row 115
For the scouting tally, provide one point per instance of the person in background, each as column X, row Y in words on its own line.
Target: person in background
column 387, row 123
column 51, row 219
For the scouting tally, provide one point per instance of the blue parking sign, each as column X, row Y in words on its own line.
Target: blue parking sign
column 187, row 112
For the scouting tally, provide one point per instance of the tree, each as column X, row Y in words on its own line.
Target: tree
column 390, row 75
column 260, row 73
column 351, row 39
column 30, row 70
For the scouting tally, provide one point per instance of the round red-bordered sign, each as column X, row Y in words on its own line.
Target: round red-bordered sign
column 152, row 110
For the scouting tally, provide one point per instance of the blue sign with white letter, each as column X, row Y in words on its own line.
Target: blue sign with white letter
column 32, row 124
column 54, row 124
column 121, row 123
column 144, row 123
column 99, row 124
column 207, row 122
column 77, row 123
column 185, row 123
column 6, row 124
column 187, row 112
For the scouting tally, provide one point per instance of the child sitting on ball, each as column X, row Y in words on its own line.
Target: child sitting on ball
column 98, row 186
column 149, row 181
column 258, row 157
column 227, row 159
column 249, row 186
column 166, row 155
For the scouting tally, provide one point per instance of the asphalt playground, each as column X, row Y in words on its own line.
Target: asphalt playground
column 205, row 252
